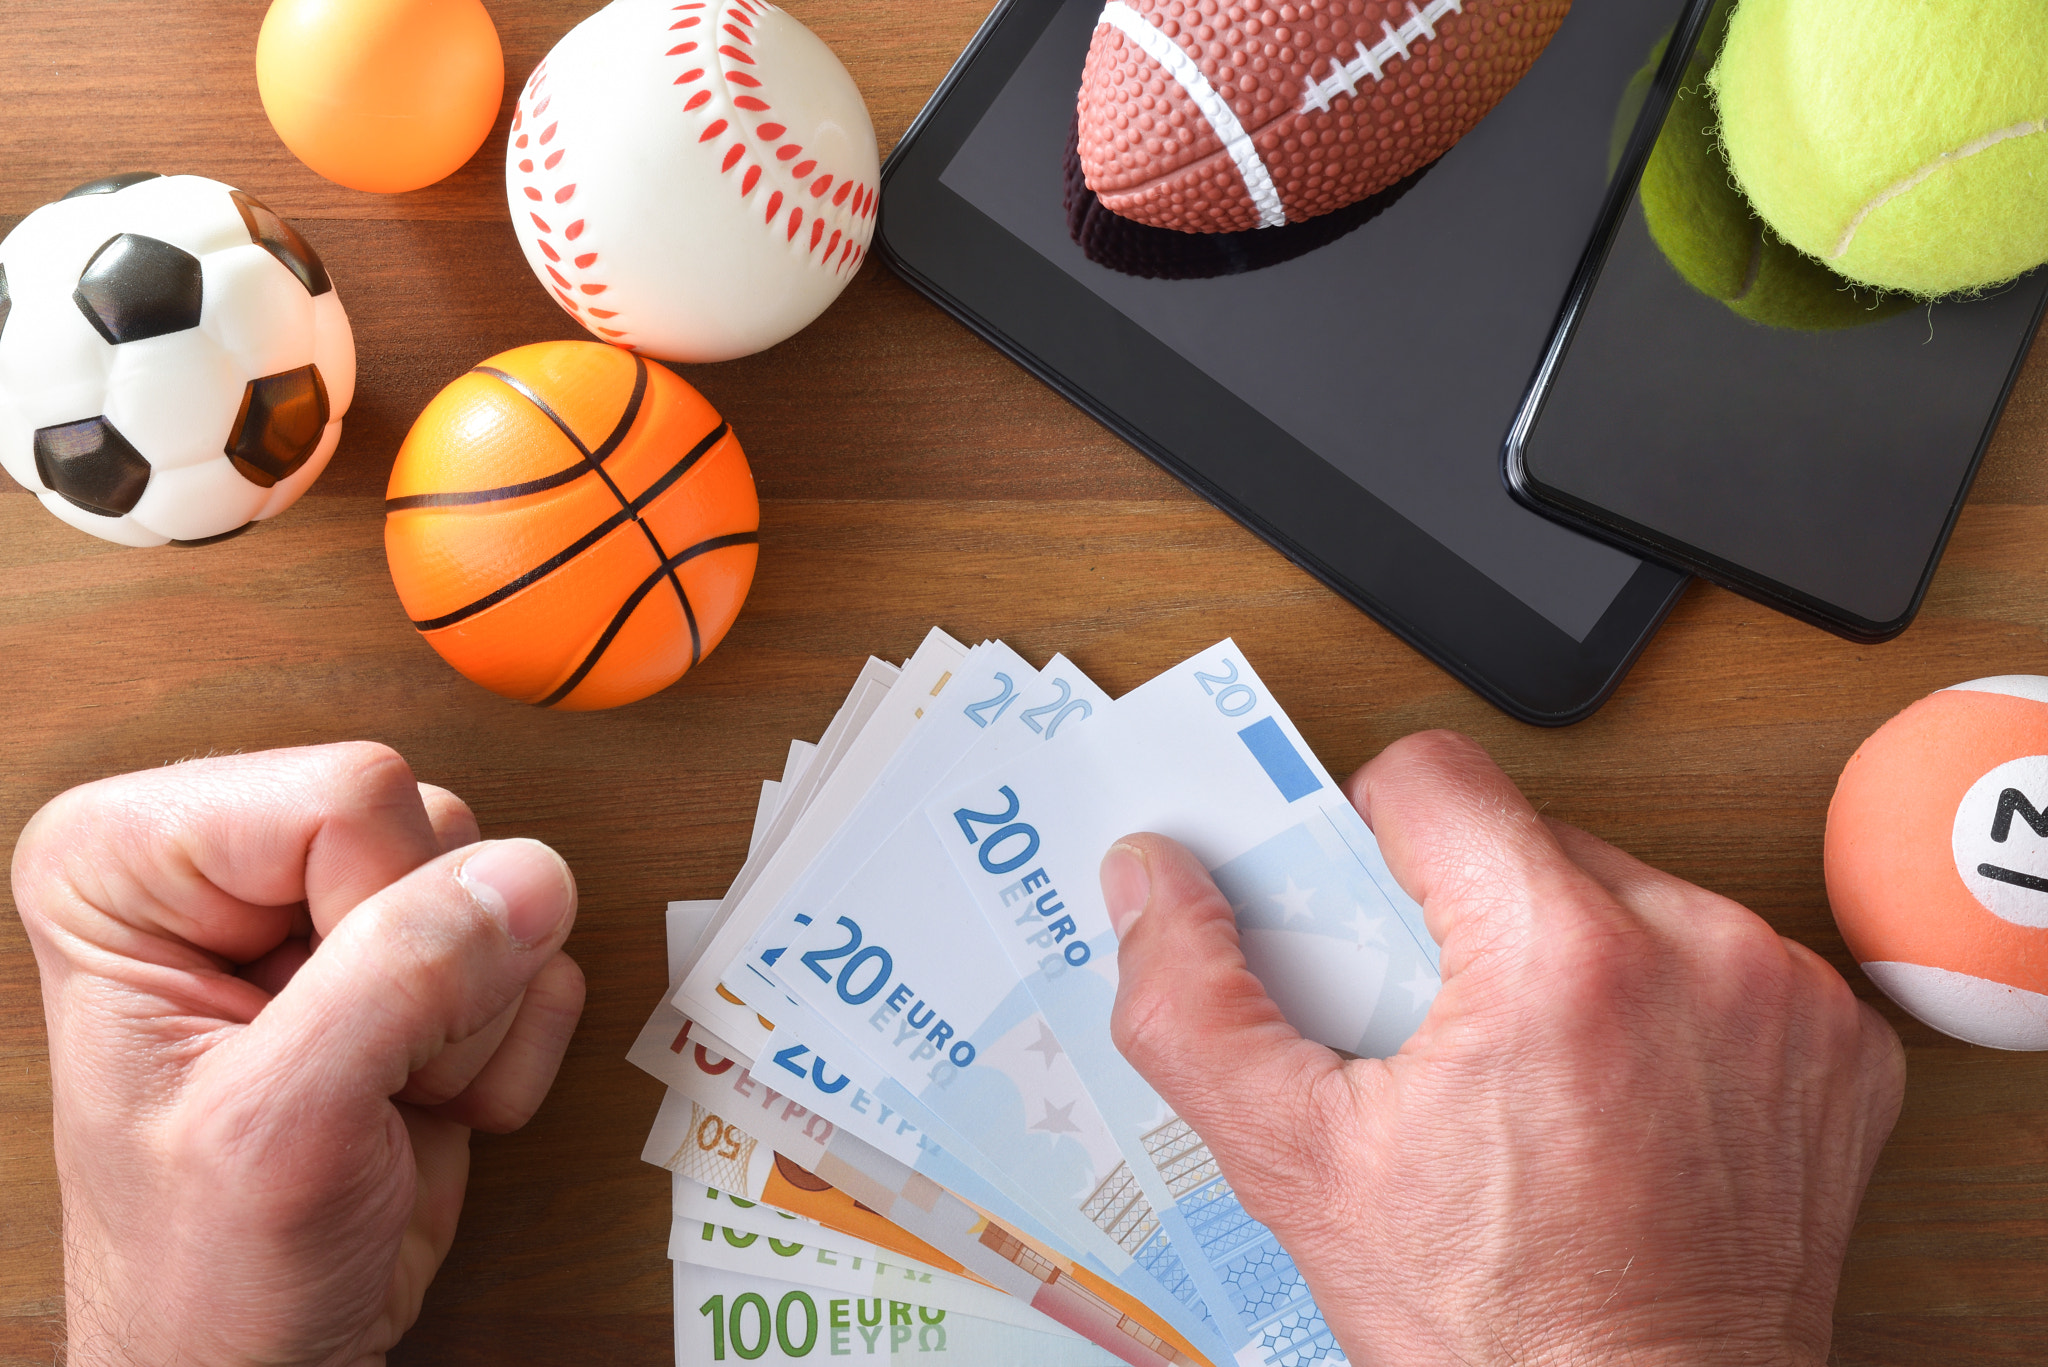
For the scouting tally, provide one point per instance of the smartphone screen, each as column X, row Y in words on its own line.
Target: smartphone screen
column 1717, row 401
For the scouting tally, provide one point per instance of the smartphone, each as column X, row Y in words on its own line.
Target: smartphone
column 1714, row 401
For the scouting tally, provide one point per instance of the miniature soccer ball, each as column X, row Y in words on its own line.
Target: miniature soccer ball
column 174, row 361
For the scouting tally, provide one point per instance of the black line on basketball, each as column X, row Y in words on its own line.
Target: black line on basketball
column 596, row 458
column 540, row 571
column 546, row 482
column 588, row 539
column 531, row 486
column 625, row 424
column 690, row 620
column 611, row 442
column 618, row 622
column 695, row 454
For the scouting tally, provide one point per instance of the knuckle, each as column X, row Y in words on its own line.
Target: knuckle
column 562, row 985
column 36, row 853
column 1591, row 966
column 491, row 1110
column 373, row 769
column 1598, row 987
column 1435, row 752
column 1743, row 952
column 1142, row 1021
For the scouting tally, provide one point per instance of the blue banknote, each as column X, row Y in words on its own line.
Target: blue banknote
column 1204, row 754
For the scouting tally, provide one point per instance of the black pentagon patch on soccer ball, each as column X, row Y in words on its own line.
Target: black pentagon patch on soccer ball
column 6, row 302
column 136, row 287
column 282, row 241
column 91, row 464
column 280, row 423
column 107, row 185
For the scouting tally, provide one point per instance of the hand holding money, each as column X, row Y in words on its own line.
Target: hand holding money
column 1634, row 1127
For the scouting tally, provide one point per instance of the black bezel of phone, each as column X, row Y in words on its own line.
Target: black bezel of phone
column 1214, row 442
column 1585, row 516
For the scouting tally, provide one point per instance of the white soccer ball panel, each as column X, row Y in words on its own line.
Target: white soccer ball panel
column 125, row 531
column 334, row 352
column 198, row 501
column 191, row 212
column 174, row 398
column 17, row 446
column 287, row 490
column 47, row 250
column 257, row 309
column 52, row 363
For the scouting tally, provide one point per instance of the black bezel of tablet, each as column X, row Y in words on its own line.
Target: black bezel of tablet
column 1217, row 444
column 1639, row 539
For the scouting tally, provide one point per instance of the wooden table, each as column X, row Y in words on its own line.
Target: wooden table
column 909, row 475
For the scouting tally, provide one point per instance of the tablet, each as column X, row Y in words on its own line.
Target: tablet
column 1341, row 386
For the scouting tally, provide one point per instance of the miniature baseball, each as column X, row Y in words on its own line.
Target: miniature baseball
column 571, row 526
column 380, row 95
column 693, row 181
column 174, row 360
column 1937, row 860
column 1209, row 118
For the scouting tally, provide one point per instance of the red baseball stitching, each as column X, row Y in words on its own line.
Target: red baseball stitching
column 729, row 41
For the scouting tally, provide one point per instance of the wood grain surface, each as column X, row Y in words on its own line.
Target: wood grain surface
column 909, row 475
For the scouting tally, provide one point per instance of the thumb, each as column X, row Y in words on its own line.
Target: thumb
column 429, row 961
column 1195, row 1022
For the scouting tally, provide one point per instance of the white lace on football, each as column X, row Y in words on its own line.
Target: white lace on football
column 1258, row 182
column 1420, row 23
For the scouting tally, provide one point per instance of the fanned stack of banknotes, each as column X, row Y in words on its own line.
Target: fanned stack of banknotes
column 896, row 1122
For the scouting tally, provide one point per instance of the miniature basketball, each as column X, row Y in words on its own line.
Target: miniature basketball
column 571, row 526
column 1210, row 118
column 692, row 179
column 380, row 95
column 1937, row 860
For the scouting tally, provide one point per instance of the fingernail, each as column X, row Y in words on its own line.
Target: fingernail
column 521, row 882
column 1125, row 886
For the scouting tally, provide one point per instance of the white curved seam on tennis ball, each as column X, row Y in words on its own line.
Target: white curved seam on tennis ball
column 1251, row 168
column 1963, row 153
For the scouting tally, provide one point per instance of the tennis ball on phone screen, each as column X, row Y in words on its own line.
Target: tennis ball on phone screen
column 1710, row 235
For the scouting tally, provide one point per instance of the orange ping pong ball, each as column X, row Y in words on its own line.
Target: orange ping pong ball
column 1937, row 860
column 380, row 95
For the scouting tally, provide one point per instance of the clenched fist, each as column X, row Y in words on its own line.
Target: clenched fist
column 281, row 990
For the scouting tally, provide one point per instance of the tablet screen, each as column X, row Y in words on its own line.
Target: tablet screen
column 1399, row 351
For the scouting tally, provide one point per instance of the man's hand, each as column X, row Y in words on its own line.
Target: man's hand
column 1634, row 1128
column 281, row 990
